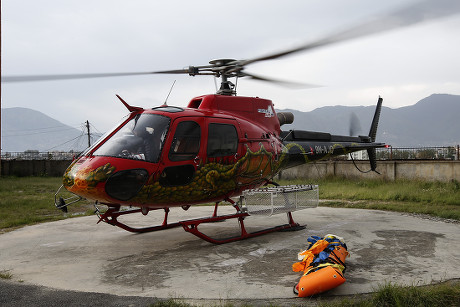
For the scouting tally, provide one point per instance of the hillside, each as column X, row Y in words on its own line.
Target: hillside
column 26, row 129
column 433, row 121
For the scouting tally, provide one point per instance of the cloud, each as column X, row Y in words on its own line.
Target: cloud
column 48, row 37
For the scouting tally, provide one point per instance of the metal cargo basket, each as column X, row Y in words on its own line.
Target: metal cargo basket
column 281, row 199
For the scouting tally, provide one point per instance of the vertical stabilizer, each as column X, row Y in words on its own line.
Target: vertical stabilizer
column 375, row 121
column 371, row 152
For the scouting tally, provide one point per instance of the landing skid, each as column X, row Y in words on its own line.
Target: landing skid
column 191, row 226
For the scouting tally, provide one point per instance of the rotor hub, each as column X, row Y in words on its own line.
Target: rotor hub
column 221, row 62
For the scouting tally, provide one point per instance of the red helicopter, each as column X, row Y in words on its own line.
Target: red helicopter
column 211, row 151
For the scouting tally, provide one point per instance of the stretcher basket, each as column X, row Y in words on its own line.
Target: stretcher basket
column 280, row 199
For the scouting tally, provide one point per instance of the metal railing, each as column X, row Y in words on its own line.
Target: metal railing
column 36, row 155
column 419, row 153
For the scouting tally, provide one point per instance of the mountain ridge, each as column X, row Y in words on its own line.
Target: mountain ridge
column 432, row 121
column 27, row 129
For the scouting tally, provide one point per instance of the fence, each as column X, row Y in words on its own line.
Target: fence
column 420, row 153
column 23, row 168
column 426, row 170
column 36, row 155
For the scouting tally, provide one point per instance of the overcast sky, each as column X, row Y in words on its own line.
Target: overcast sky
column 95, row 36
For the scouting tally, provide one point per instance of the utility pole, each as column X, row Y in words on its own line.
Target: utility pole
column 89, row 135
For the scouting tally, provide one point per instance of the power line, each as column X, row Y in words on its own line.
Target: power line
column 94, row 127
column 43, row 128
column 42, row 132
column 65, row 142
column 78, row 139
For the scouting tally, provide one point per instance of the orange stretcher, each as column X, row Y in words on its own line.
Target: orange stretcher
column 323, row 265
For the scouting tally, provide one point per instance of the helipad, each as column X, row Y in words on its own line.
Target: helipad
column 78, row 254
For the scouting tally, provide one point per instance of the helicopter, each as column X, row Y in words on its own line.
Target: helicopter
column 211, row 151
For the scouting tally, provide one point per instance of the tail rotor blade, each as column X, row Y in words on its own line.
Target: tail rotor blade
column 355, row 126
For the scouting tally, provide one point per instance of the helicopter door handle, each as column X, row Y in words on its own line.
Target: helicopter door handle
column 197, row 160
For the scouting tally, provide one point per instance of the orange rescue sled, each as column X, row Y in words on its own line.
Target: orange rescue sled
column 323, row 264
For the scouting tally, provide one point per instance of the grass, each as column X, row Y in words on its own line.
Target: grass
column 5, row 275
column 170, row 303
column 30, row 200
column 444, row 294
column 440, row 199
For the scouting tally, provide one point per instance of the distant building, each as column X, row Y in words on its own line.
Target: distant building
column 359, row 155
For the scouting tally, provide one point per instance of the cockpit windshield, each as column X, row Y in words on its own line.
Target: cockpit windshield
column 141, row 138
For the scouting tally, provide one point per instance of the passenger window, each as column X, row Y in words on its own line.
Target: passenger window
column 186, row 142
column 222, row 140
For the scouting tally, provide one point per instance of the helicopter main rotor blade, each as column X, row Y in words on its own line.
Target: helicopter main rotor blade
column 418, row 12
column 191, row 70
column 28, row 78
column 280, row 82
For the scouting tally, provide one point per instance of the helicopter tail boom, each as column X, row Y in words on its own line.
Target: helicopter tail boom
column 308, row 146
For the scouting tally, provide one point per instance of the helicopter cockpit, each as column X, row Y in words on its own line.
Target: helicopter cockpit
column 141, row 138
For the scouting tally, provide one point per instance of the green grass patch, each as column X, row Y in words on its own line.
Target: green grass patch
column 445, row 294
column 440, row 199
column 30, row 200
column 170, row 303
column 5, row 275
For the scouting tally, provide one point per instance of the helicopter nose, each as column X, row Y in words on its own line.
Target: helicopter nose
column 126, row 184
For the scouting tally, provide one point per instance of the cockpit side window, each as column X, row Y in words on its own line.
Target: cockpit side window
column 142, row 138
column 186, row 142
column 222, row 140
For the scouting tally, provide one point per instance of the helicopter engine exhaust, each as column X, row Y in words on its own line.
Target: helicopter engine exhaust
column 285, row 118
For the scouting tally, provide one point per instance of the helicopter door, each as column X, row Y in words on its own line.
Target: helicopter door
column 183, row 153
column 222, row 145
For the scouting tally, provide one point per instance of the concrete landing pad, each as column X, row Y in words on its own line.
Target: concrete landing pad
column 78, row 254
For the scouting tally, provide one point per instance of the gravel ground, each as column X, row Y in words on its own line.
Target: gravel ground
column 14, row 294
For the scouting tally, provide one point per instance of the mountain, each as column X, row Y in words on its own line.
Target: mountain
column 26, row 129
column 433, row 121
